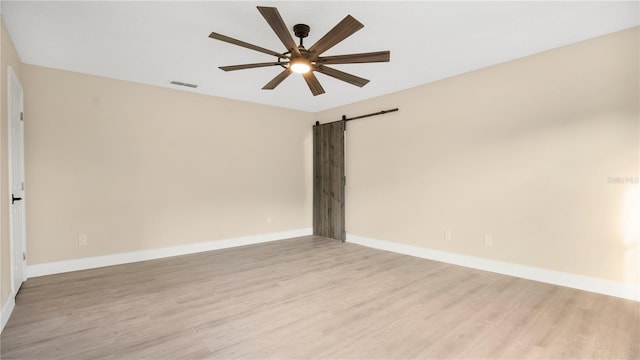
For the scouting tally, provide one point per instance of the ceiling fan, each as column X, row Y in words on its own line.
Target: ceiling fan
column 305, row 61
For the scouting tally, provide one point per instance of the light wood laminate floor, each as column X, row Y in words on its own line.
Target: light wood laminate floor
column 311, row 297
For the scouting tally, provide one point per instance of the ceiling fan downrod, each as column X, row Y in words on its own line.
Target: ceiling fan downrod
column 301, row 31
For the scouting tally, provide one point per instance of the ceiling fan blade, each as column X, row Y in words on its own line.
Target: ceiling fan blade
column 274, row 20
column 377, row 56
column 340, row 75
column 247, row 66
column 314, row 84
column 345, row 28
column 277, row 80
column 231, row 40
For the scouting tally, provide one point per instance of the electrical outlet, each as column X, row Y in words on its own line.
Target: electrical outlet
column 488, row 239
column 447, row 235
column 82, row 240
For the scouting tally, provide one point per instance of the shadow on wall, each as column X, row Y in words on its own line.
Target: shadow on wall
column 631, row 232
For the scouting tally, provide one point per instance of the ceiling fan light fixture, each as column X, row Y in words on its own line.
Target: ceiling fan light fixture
column 300, row 65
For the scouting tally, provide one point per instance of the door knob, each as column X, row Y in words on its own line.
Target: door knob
column 14, row 199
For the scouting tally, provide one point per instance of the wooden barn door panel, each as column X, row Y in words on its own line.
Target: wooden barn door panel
column 329, row 180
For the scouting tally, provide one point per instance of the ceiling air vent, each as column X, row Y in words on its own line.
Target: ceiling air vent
column 184, row 84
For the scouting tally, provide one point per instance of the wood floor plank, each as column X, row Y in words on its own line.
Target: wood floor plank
column 311, row 297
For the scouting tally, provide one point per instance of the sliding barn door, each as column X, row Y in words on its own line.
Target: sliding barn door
column 329, row 180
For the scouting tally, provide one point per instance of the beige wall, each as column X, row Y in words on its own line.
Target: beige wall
column 8, row 57
column 138, row 167
column 522, row 150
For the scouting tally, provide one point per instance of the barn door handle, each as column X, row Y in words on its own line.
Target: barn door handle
column 14, row 199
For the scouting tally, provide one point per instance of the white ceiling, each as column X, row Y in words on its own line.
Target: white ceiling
column 156, row 42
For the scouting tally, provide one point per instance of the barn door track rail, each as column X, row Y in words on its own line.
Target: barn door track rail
column 345, row 118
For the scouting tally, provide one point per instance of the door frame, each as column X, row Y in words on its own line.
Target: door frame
column 14, row 83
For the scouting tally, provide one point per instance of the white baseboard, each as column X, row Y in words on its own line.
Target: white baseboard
column 7, row 309
column 129, row 257
column 586, row 283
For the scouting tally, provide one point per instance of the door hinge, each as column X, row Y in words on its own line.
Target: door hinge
column 24, row 256
column 21, row 116
column 22, row 185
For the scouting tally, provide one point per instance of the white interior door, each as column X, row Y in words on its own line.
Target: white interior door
column 16, row 181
